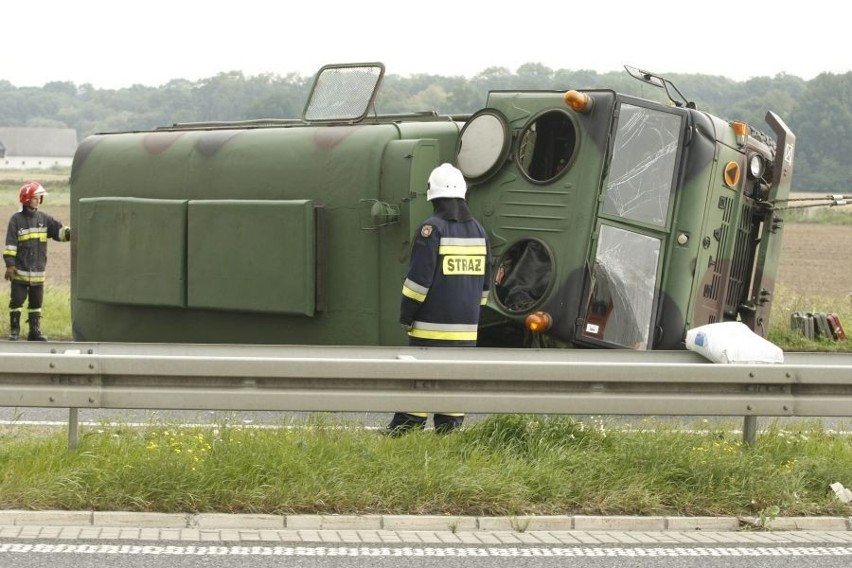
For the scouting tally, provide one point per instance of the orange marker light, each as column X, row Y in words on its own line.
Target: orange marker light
column 578, row 101
column 732, row 174
column 539, row 322
column 741, row 129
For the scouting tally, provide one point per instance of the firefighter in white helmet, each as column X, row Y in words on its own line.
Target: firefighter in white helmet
column 25, row 256
column 447, row 283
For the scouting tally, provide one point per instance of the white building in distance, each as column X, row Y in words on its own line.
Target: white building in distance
column 36, row 148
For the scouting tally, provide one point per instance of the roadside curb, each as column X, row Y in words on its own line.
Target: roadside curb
column 433, row 523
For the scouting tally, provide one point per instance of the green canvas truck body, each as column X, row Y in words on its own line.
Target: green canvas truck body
column 614, row 221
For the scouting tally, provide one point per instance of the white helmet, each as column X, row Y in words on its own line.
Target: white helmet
column 446, row 181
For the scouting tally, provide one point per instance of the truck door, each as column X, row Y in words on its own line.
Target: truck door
column 632, row 227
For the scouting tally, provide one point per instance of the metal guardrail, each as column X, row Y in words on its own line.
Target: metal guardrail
column 386, row 379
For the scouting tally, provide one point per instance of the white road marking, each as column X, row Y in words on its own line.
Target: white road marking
column 360, row 551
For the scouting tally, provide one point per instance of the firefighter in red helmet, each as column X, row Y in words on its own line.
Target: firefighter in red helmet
column 25, row 256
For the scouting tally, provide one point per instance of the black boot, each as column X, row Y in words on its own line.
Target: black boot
column 444, row 423
column 403, row 422
column 35, row 328
column 14, row 326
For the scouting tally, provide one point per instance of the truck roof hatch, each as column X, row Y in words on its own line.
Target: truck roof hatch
column 344, row 92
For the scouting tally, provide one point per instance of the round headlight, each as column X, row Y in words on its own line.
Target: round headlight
column 756, row 166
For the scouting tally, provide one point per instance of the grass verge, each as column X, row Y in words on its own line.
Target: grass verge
column 56, row 181
column 505, row 465
column 56, row 314
column 785, row 303
column 841, row 215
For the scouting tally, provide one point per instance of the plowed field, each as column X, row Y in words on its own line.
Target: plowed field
column 816, row 260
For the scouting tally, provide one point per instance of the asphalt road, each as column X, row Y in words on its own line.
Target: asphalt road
column 214, row 555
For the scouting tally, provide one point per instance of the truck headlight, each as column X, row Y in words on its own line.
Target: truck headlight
column 756, row 166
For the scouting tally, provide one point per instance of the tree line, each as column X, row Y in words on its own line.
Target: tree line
column 819, row 111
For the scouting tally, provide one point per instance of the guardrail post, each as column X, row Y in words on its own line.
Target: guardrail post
column 749, row 430
column 72, row 428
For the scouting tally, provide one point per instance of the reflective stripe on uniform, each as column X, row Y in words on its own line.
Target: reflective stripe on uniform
column 467, row 251
column 463, row 241
column 26, row 274
column 445, row 331
column 11, row 250
column 35, row 233
column 462, row 246
column 29, row 277
column 484, row 299
column 413, row 290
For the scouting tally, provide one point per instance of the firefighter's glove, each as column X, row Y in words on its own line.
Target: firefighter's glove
column 66, row 234
column 10, row 272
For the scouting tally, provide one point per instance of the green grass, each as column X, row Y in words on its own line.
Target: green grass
column 786, row 303
column 56, row 181
column 55, row 314
column 823, row 216
column 505, row 465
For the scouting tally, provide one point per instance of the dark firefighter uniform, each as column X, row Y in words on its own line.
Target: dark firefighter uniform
column 26, row 250
column 446, row 285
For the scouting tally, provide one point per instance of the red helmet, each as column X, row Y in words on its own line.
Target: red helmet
column 31, row 189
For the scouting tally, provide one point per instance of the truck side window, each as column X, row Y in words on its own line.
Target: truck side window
column 522, row 275
column 546, row 147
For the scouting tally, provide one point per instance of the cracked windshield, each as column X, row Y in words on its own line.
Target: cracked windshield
column 642, row 169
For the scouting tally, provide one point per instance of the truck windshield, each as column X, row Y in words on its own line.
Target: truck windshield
column 636, row 196
column 642, row 169
column 620, row 307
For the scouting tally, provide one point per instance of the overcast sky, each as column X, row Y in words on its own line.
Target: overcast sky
column 113, row 44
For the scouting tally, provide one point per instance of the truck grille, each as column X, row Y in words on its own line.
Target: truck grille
column 742, row 261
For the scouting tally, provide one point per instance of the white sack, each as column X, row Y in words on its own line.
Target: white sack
column 732, row 342
column 842, row 493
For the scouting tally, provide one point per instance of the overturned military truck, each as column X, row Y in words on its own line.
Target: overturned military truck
column 614, row 221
